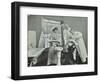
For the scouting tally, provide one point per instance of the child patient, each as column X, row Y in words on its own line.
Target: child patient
column 71, row 55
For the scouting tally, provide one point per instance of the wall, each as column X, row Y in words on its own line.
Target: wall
column 34, row 23
column 5, row 41
column 76, row 23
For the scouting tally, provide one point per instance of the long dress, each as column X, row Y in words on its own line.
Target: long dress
column 53, row 52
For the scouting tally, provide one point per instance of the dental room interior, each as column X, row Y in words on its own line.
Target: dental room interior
column 57, row 40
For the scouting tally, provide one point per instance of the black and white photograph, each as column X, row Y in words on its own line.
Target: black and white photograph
column 57, row 40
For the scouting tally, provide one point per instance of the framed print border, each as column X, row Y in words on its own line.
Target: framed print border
column 15, row 39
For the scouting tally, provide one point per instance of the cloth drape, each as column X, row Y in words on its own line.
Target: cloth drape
column 81, row 45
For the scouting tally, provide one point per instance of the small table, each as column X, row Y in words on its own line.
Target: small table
column 59, row 49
